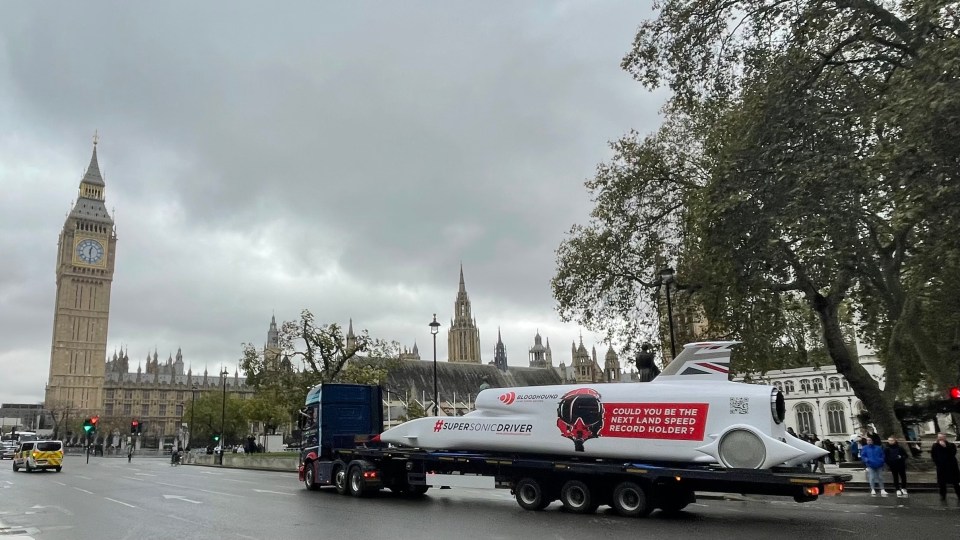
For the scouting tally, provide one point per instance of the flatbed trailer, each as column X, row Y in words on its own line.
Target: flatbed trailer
column 355, row 462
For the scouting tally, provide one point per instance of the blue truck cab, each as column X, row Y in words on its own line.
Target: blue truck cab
column 336, row 414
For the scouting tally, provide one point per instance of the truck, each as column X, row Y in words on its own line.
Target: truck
column 341, row 426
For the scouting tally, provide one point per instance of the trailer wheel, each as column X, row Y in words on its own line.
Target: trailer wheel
column 630, row 500
column 309, row 474
column 355, row 482
column 340, row 480
column 530, row 495
column 577, row 498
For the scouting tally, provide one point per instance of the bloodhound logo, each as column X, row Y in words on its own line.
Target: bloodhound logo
column 580, row 416
column 508, row 398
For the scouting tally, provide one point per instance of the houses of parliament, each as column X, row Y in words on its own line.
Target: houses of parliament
column 83, row 381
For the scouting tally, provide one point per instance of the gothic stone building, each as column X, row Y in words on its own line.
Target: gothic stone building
column 82, row 382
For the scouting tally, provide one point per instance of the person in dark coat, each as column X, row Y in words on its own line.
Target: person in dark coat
column 944, row 456
column 896, row 458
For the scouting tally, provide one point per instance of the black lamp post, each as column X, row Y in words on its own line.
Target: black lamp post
column 223, row 411
column 434, row 329
column 193, row 405
column 666, row 278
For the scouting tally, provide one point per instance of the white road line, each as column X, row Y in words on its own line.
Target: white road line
column 274, row 492
column 61, row 483
column 84, row 477
column 199, row 489
column 83, row 490
column 119, row 502
column 144, row 474
column 181, row 498
column 132, row 478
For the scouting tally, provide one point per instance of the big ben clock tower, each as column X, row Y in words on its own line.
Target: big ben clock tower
column 85, row 262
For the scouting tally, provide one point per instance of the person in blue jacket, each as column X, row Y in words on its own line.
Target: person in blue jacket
column 873, row 458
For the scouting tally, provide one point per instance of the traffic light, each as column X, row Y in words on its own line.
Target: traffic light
column 94, row 422
column 87, row 426
column 216, row 438
column 134, row 426
column 955, row 393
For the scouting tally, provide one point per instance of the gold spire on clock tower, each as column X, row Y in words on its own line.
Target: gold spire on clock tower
column 85, row 264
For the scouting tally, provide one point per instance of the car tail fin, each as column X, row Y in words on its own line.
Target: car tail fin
column 708, row 360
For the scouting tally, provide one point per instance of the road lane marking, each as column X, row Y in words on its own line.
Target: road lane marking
column 208, row 472
column 61, row 483
column 84, row 477
column 181, row 498
column 144, row 474
column 132, row 478
column 274, row 492
column 199, row 489
column 83, row 490
column 119, row 502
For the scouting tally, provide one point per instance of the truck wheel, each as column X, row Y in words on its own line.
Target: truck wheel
column 530, row 495
column 309, row 480
column 577, row 498
column 340, row 480
column 15, row 468
column 355, row 482
column 630, row 500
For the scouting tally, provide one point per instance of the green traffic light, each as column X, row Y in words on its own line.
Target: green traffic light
column 87, row 428
column 216, row 438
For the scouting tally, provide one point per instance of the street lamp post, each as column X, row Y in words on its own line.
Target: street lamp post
column 666, row 278
column 193, row 405
column 434, row 329
column 223, row 411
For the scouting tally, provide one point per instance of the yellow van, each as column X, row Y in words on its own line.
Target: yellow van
column 38, row 455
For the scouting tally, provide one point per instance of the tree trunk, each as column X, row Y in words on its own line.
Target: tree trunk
column 864, row 386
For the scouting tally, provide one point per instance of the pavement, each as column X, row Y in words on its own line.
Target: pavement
column 148, row 499
column 917, row 481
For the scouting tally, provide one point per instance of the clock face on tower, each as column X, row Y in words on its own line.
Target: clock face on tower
column 89, row 251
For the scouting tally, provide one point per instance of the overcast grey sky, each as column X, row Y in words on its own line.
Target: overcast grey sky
column 340, row 157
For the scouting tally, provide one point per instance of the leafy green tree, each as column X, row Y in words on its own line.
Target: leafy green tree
column 323, row 354
column 803, row 163
column 206, row 412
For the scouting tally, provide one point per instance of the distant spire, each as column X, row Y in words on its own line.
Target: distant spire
column 463, row 287
column 350, row 328
column 93, row 176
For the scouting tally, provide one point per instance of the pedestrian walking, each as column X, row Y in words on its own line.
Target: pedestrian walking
column 896, row 458
column 129, row 453
column 818, row 464
column 872, row 456
column 944, row 456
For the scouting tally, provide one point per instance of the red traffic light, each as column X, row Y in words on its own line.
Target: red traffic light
column 134, row 423
column 94, row 420
column 955, row 392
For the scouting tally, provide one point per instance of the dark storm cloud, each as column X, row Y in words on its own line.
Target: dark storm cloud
column 340, row 158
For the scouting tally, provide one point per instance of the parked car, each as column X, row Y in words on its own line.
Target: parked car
column 8, row 449
column 38, row 455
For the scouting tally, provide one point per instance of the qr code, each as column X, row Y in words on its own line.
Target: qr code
column 739, row 405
